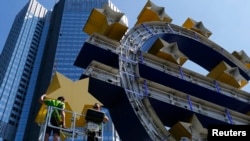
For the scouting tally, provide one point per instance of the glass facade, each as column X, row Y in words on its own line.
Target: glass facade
column 70, row 18
column 18, row 58
column 71, row 37
column 40, row 42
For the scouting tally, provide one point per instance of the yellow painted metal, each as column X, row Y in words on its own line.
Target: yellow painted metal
column 174, row 57
column 226, row 74
column 75, row 93
column 99, row 22
column 40, row 118
column 243, row 57
column 158, row 44
column 180, row 130
column 198, row 27
column 152, row 12
column 189, row 23
column 168, row 51
column 248, row 65
column 193, row 130
column 115, row 31
column 197, row 130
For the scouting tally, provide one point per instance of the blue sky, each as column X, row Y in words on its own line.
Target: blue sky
column 228, row 20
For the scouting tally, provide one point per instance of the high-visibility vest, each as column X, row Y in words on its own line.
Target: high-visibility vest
column 58, row 104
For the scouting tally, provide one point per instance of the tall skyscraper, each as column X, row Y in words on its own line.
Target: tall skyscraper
column 19, row 67
column 66, row 39
column 39, row 43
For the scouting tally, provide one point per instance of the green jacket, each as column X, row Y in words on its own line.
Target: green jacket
column 58, row 104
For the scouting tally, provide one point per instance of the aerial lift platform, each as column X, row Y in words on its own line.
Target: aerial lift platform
column 77, row 103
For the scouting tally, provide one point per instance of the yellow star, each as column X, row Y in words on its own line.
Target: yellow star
column 75, row 93
column 192, row 130
column 197, row 27
column 106, row 22
column 227, row 74
column 152, row 12
column 168, row 51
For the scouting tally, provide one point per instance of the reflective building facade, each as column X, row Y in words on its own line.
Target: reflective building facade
column 71, row 16
column 40, row 42
column 67, row 38
column 20, row 62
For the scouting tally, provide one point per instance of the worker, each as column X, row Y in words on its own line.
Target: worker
column 57, row 117
column 93, row 135
column 97, row 107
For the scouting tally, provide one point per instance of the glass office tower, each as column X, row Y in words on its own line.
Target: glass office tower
column 39, row 43
column 70, row 37
column 19, row 67
column 67, row 36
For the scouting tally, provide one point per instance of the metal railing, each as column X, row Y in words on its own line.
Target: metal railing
column 74, row 132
